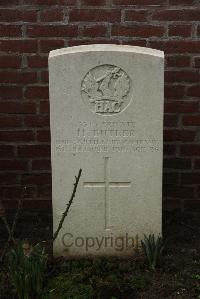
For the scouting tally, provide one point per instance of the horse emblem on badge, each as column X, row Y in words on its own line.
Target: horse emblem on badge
column 105, row 89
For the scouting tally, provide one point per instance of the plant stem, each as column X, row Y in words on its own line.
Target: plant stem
column 11, row 231
column 19, row 208
column 68, row 206
column 7, row 228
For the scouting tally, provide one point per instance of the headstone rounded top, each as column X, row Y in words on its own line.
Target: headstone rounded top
column 106, row 47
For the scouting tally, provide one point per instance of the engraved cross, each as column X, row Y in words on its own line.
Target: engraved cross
column 107, row 184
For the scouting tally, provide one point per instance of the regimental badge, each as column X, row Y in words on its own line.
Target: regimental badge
column 105, row 89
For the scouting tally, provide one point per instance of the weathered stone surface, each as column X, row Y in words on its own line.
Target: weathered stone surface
column 106, row 105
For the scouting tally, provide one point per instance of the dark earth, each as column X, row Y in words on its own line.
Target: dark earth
column 176, row 276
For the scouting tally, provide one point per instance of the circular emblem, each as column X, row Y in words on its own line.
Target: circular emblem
column 105, row 89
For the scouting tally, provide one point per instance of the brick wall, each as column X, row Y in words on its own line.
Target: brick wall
column 29, row 29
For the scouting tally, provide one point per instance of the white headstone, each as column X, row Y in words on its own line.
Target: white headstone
column 106, row 104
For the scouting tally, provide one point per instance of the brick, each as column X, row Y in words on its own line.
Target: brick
column 68, row 2
column 17, row 136
column 10, row 30
column 48, row 45
column 178, row 191
column 6, row 151
column 11, row 92
column 41, row 164
column 16, row 15
column 13, row 165
column 93, row 2
column 37, row 92
column 139, row 2
column 170, row 120
column 180, row 30
column 95, row 31
column 136, row 15
column 37, row 61
column 181, row 2
column 36, row 121
column 190, row 150
column 52, row 31
column 181, row 107
column 174, row 92
column 177, row 163
column 10, row 121
column 11, row 2
column 178, row 61
column 17, row 108
column 192, row 206
column 182, row 76
column 170, row 178
column 197, row 62
column 33, row 151
column 50, row 2
column 179, row 135
column 52, row 15
column 19, row 46
column 198, row 191
column 44, row 191
column 8, row 178
column 45, row 77
column 197, row 164
column 44, row 107
column 177, row 15
column 191, row 120
column 35, row 205
column 43, row 136
column 11, row 192
column 194, row 91
column 10, row 62
column 18, row 77
column 190, row 178
column 78, row 42
column 135, row 42
column 95, row 15
column 44, row 178
column 169, row 149
column 177, row 46
column 138, row 31
column 172, row 205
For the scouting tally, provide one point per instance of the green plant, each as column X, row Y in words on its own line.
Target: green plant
column 153, row 248
column 27, row 265
column 99, row 266
column 140, row 282
column 65, row 287
column 196, row 277
column 11, row 229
